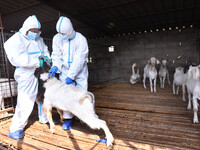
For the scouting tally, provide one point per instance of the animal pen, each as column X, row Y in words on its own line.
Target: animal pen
column 7, row 84
column 119, row 34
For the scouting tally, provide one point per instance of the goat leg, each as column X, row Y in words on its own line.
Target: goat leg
column 177, row 90
column 49, row 117
column 3, row 107
column 150, row 81
column 109, row 135
column 161, row 82
column 195, row 108
column 168, row 78
column 60, row 112
column 154, row 85
column 164, row 82
column 144, row 79
column 189, row 101
column 96, row 123
column 183, row 88
column 174, row 89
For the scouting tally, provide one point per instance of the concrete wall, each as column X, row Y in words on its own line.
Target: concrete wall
column 140, row 48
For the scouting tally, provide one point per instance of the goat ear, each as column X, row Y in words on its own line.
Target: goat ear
column 158, row 62
column 149, row 61
column 38, row 72
column 196, row 73
column 199, row 71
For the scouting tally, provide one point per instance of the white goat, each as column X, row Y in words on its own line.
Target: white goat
column 163, row 73
column 135, row 77
column 193, row 87
column 5, row 91
column 180, row 79
column 151, row 73
column 68, row 98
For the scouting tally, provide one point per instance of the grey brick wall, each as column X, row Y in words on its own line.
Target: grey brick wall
column 140, row 48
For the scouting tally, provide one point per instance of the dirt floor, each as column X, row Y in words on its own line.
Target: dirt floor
column 137, row 118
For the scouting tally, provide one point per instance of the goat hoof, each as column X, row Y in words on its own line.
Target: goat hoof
column 195, row 121
column 109, row 142
column 52, row 131
column 189, row 107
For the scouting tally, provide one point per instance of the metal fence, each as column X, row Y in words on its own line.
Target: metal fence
column 8, row 86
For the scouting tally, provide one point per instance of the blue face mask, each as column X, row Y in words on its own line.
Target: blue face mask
column 32, row 35
column 64, row 37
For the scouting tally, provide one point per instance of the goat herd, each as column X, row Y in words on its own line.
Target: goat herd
column 189, row 80
column 83, row 106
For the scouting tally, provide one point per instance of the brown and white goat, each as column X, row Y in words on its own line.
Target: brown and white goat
column 151, row 73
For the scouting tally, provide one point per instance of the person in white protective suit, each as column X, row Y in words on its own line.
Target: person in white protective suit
column 69, row 57
column 24, row 50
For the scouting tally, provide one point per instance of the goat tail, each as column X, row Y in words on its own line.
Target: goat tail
column 88, row 95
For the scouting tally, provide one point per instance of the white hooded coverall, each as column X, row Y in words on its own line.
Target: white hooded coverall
column 70, row 56
column 23, row 53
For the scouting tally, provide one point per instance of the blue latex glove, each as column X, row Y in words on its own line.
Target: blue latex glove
column 68, row 80
column 41, row 62
column 102, row 140
column 46, row 58
column 53, row 71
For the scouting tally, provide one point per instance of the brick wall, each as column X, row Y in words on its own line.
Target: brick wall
column 139, row 48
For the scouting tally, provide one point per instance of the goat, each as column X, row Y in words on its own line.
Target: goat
column 68, row 98
column 180, row 79
column 5, row 91
column 193, row 88
column 135, row 77
column 163, row 73
column 151, row 73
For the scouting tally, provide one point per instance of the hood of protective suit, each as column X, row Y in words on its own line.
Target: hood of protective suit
column 65, row 26
column 30, row 22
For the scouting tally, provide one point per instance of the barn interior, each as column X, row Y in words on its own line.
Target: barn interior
column 119, row 33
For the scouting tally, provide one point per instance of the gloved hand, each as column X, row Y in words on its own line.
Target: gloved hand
column 41, row 61
column 68, row 80
column 46, row 58
column 53, row 71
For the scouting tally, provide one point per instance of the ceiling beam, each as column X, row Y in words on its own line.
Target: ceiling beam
column 119, row 4
column 143, row 27
column 53, row 4
column 147, row 15
column 21, row 8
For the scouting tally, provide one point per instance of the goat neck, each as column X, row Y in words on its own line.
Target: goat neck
column 153, row 68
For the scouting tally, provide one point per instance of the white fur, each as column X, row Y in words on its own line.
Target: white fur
column 5, row 91
column 151, row 73
column 135, row 77
column 163, row 73
column 193, row 87
column 78, row 102
column 180, row 79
